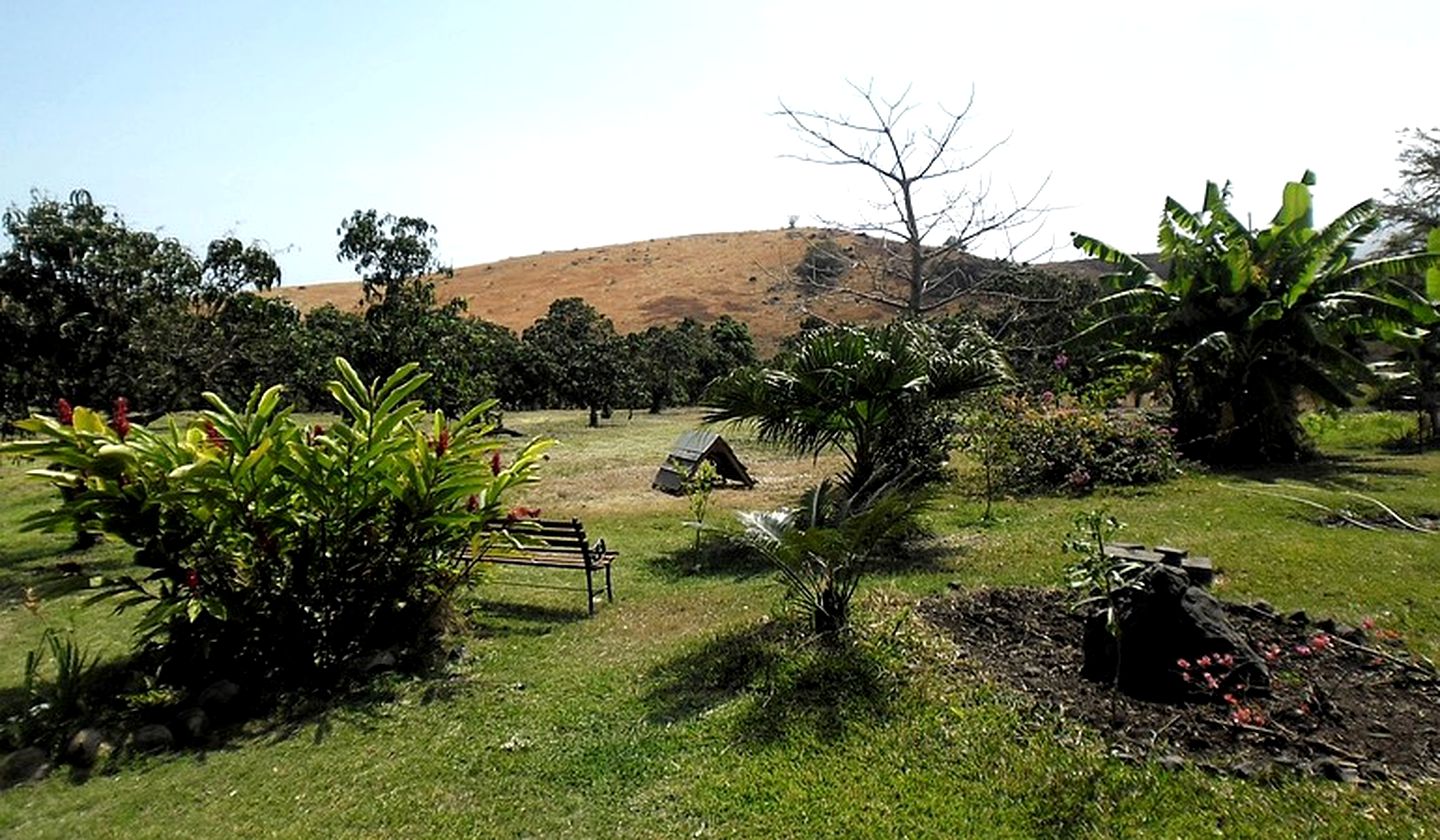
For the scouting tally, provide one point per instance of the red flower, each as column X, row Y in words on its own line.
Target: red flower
column 442, row 442
column 495, row 462
column 472, row 504
column 192, row 579
column 121, row 421
column 522, row 513
column 216, row 439
column 315, row 432
column 64, row 412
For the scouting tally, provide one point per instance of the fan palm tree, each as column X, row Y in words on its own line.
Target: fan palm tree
column 853, row 388
column 1243, row 320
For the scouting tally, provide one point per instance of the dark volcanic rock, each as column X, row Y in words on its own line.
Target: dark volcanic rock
column 1161, row 622
column 193, row 726
column 153, row 737
column 83, row 748
column 220, row 699
column 29, row 764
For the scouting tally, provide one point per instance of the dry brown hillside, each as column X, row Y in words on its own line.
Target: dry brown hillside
column 744, row 275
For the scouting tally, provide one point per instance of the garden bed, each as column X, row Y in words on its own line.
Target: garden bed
column 1350, row 708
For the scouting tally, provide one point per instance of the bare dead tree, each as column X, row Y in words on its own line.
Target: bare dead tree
column 914, row 165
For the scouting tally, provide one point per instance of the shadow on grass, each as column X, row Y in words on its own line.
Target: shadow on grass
column 732, row 558
column 53, row 574
column 1338, row 472
column 361, row 707
column 717, row 556
column 702, row 678
column 490, row 618
column 789, row 685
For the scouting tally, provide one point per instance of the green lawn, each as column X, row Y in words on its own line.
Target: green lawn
column 668, row 714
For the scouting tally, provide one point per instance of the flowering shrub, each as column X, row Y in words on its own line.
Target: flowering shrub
column 277, row 550
column 1040, row 445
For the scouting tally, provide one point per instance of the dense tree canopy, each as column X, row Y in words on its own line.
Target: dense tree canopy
column 87, row 303
column 1412, row 211
column 575, row 353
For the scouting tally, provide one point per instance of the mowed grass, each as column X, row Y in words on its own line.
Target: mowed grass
column 675, row 712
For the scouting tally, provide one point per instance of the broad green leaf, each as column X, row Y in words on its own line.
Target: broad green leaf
column 89, row 422
column 1432, row 274
column 1296, row 202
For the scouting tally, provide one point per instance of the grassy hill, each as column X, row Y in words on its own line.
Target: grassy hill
column 703, row 276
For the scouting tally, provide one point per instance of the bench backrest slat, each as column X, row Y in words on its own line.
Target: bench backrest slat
column 552, row 535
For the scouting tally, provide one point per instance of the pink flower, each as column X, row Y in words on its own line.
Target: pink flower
column 1183, row 663
column 64, row 413
column 1368, row 623
column 1062, row 361
column 1204, row 661
column 1226, row 661
column 1303, row 650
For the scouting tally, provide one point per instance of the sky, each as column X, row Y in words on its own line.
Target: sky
column 517, row 128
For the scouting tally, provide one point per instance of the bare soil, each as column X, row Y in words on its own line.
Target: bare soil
column 1355, row 711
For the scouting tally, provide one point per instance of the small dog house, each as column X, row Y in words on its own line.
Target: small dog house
column 692, row 448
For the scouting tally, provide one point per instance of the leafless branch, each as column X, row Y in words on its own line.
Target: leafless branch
column 911, row 163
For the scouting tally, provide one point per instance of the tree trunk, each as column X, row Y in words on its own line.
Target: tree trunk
column 594, row 417
column 829, row 617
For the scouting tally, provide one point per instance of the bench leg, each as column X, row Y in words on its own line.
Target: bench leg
column 590, row 591
column 609, row 593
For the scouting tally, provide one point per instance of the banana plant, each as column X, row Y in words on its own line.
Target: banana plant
column 1239, row 321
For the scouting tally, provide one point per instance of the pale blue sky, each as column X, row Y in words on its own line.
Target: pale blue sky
column 517, row 128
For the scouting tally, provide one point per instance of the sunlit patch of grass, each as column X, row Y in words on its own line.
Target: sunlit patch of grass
column 1358, row 430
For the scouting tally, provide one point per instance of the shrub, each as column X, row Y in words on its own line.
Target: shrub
column 277, row 550
column 824, row 264
column 1039, row 445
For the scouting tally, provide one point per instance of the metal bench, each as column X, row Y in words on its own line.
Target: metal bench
column 548, row 544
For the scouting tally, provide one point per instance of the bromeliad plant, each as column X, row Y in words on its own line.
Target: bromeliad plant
column 278, row 550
